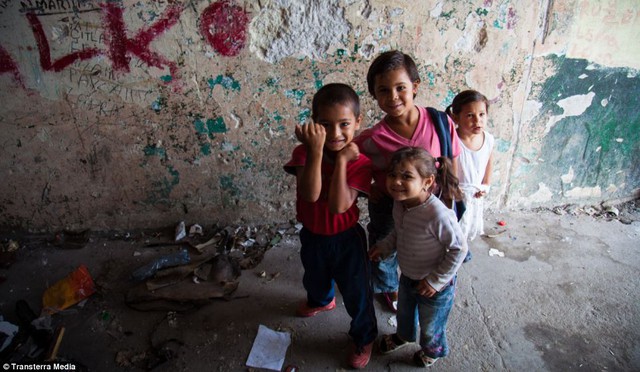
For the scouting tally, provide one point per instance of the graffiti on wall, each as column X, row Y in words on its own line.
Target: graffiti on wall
column 222, row 24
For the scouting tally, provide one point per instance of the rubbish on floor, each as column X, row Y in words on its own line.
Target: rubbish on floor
column 200, row 247
column 181, row 231
column 393, row 321
column 495, row 252
column 175, row 288
column 74, row 288
column 496, row 234
column 269, row 349
column 7, row 332
column 12, row 246
column 56, row 346
column 502, row 223
column 611, row 210
column 195, row 230
column 179, row 258
column 8, row 253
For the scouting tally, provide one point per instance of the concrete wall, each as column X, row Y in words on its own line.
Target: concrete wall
column 139, row 114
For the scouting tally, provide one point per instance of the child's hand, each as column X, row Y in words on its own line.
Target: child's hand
column 350, row 152
column 311, row 135
column 480, row 194
column 374, row 254
column 482, row 191
column 425, row 289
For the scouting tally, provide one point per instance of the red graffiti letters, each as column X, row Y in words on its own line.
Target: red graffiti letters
column 7, row 65
column 120, row 44
column 45, row 53
column 224, row 26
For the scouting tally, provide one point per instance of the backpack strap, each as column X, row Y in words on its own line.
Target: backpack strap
column 441, row 123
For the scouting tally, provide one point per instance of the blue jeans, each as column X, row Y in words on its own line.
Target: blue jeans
column 341, row 258
column 431, row 313
column 384, row 274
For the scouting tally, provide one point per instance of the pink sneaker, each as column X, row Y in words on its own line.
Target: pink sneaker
column 305, row 311
column 359, row 357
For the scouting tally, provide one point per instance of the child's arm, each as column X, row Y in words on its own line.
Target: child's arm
column 341, row 196
column 383, row 248
column 486, row 180
column 310, row 178
column 454, row 243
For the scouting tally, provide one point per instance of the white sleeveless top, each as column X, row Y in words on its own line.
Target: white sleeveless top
column 472, row 164
column 471, row 168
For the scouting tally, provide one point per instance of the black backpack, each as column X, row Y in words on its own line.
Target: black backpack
column 441, row 121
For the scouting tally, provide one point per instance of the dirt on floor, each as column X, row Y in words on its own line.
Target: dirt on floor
column 139, row 305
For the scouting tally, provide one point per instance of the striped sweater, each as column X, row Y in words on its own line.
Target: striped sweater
column 429, row 241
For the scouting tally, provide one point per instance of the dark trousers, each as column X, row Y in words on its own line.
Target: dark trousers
column 341, row 258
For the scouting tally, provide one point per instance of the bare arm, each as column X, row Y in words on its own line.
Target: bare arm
column 341, row 196
column 486, row 180
column 309, row 177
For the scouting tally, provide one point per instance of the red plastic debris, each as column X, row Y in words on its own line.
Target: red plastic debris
column 502, row 223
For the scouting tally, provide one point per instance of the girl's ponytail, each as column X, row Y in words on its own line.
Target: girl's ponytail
column 447, row 180
column 449, row 110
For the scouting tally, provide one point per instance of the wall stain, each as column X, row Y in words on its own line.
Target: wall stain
column 590, row 142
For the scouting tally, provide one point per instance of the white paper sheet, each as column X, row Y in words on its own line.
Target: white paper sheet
column 269, row 349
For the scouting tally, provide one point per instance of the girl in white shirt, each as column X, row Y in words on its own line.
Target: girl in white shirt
column 430, row 247
column 469, row 110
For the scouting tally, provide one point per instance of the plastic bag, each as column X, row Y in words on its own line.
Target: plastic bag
column 147, row 271
column 74, row 288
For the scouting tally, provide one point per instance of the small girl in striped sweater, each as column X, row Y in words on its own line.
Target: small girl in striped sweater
column 430, row 246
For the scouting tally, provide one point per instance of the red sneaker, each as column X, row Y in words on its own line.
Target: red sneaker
column 391, row 298
column 360, row 355
column 305, row 311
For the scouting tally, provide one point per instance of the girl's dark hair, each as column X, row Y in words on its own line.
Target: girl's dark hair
column 427, row 165
column 465, row 97
column 334, row 94
column 389, row 61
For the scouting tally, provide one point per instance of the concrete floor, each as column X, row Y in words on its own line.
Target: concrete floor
column 564, row 297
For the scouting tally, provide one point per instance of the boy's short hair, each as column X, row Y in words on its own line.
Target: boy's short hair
column 389, row 61
column 334, row 94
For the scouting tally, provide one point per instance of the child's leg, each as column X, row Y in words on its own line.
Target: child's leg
column 407, row 310
column 353, row 275
column 433, row 315
column 385, row 272
column 317, row 278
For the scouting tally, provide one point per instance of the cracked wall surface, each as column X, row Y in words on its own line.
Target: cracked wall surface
column 138, row 114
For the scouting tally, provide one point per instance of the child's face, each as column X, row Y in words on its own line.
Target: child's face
column 472, row 118
column 394, row 92
column 340, row 124
column 406, row 185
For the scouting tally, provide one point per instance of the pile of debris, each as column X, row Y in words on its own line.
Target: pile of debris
column 201, row 265
column 625, row 212
column 206, row 267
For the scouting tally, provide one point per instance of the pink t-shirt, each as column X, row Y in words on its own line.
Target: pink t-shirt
column 380, row 142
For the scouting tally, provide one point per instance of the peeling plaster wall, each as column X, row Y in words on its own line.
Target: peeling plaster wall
column 138, row 114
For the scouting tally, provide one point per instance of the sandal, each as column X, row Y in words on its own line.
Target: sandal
column 422, row 360
column 391, row 343
column 392, row 300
